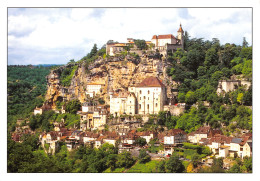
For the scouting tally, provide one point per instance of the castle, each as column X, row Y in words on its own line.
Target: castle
column 162, row 43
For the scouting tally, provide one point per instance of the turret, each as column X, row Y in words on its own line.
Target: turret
column 180, row 34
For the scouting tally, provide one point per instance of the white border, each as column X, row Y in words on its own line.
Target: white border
column 133, row 3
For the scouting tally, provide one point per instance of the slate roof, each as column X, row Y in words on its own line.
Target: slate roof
column 236, row 140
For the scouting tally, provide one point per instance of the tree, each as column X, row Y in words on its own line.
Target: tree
column 140, row 141
column 240, row 98
column 125, row 159
column 181, row 97
column 140, row 44
column 248, row 164
column 190, row 97
column 111, row 161
column 161, row 167
column 211, row 57
column 235, row 169
column 144, row 156
column 245, row 43
column 73, row 106
column 174, row 165
column 93, row 51
column 217, row 166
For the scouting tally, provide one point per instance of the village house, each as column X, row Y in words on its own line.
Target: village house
column 175, row 109
column 225, row 86
column 172, row 138
column 49, row 141
column 93, row 89
column 113, row 48
column 111, row 138
column 129, row 138
column 150, row 94
column 219, row 145
column 147, row 135
column 122, row 102
column 40, row 110
column 202, row 132
column 89, row 138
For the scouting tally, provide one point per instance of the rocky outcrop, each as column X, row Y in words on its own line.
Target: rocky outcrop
column 115, row 73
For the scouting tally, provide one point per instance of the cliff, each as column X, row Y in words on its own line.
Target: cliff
column 115, row 73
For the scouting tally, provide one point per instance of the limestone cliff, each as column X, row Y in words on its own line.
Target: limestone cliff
column 115, row 73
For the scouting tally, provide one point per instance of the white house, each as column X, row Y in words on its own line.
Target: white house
column 93, row 88
column 150, row 95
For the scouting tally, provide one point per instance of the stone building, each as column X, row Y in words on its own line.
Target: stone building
column 225, row 86
column 122, row 103
column 168, row 42
column 151, row 95
column 93, row 88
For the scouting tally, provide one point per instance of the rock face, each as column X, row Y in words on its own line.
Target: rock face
column 115, row 73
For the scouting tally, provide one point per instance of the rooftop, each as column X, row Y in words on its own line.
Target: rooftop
column 151, row 82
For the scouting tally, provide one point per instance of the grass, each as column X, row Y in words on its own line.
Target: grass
column 149, row 167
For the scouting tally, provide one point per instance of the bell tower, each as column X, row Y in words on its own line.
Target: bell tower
column 180, row 34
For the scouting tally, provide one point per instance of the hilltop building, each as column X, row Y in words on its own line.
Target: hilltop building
column 168, row 42
column 162, row 43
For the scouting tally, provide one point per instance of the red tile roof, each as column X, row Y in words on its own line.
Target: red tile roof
column 180, row 29
column 151, row 82
column 169, row 36
column 173, row 132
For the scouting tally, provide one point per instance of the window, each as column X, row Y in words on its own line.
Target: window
column 156, row 105
column 144, row 97
column 148, row 98
column 139, row 106
column 140, row 92
column 147, row 106
column 140, row 98
column 148, row 92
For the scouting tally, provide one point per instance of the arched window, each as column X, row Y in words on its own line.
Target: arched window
column 156, row 105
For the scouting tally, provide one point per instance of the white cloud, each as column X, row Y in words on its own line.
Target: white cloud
column 41, row 31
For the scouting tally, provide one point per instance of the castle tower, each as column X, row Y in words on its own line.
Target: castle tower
column 180, row 35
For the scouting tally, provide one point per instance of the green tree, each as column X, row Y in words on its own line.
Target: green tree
column 144, row 156
column 190, row 97
column 174, row 165
column 73, row 106
column 160, row 167
column 140, row 141
column 140, row 44
column 235, row 169
column 93, row 51
column 125, row 159
column 211, row 57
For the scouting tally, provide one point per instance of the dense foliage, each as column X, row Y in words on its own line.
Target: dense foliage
column 26, row 87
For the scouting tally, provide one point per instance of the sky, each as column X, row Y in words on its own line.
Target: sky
column 57, row 35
